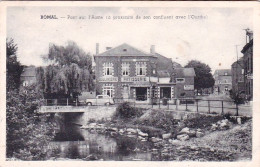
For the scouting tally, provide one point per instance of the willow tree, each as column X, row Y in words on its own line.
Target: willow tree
column 69, row 72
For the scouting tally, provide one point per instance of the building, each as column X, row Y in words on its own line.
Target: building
column 125, row 72
column 237, row 71
column 223, row 81
column 28, row 76
column 184, row 79
column 248, row 65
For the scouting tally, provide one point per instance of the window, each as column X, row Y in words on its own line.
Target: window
column 25, row 83
column 108, row 69
column 225, row 73
column 141, row 68
column 226, row 88
column 108, row 90
column 180, row 80
column 125, row 69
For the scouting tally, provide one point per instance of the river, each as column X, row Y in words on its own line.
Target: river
column 72, row 142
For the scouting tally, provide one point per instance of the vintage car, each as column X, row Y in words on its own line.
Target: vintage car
column 100, row 100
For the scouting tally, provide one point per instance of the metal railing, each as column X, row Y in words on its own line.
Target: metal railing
column 193, row 105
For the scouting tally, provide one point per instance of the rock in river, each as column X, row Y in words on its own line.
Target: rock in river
column 183, row 137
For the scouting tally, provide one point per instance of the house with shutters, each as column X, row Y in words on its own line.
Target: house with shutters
column 125, row 72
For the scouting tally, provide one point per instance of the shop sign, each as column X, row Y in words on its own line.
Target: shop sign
column 134, row 79
column 140, row 85
column 108, row 79
column 188, row 87
column 249, row 76
column 135, row 60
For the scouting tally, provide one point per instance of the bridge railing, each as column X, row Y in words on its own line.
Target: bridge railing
column 195, row 105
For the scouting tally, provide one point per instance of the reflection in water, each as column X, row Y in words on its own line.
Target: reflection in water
column 78, row 143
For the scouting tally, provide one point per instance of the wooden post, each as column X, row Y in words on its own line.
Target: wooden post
column 222, row 106
column 197, row 105
column 67, row 101
column 176, row 102
column 168, row 103
column 186, row 105
column 152, row 102
column 76, row 102
column 209, row 106
column 237, row 109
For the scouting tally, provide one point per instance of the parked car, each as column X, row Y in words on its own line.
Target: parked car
column 100, row 100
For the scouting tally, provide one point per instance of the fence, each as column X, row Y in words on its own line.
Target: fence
column 193, row 105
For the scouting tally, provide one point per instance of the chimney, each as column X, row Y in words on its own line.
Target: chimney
column 97, row 48
column 152, row 50
column 107, row 48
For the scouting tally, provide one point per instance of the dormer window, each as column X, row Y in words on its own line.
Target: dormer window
column 124, row 50
column 225, row 74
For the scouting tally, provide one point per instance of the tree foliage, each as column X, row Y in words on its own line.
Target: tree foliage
column 13, row 66
column 204, row 78
column 69, row 73
column 28, row 132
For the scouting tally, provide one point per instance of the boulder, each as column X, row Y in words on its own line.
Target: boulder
column 92, row 125
column 140, row 133
column 121, row 131
column 184, row 131
column 172, row 141
column 131, row 130
column 223, row 124
column 214, row 127
column 154, row 140
column 166, row 136
column 192, row 133
column 199, row 134
column 239, row 122
column 183, row 137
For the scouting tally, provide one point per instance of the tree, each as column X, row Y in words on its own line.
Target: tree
column 204, row 78
column 28, row 132
column 69, row 73
column 13, row 66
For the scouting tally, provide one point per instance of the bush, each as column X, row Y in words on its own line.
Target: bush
column 125, row 110
column 158, row 119
column 202, row 121
column 239, row 98
column 28, row 132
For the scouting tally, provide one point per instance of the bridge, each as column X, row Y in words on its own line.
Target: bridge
column 71, row 109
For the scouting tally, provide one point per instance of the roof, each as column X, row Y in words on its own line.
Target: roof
column 29, row 72
column 240, row 62
column 164, row 63
column 184, row 72
column 163, row 74
column 222, row 72
column 124, row 50
column 248, row 45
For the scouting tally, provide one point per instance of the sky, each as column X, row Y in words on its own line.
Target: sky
column 210, row 40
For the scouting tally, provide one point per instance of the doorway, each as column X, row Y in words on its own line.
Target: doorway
column 141, row 94
column 165, row 92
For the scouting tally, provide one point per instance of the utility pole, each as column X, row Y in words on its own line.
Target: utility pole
column 237, row 68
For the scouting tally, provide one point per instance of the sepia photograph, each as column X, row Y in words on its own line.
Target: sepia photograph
column 129, row 83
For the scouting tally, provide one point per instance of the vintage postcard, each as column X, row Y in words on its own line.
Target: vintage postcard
column 130, row 81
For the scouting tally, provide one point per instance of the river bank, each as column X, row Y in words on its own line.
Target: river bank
column 195, row 137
